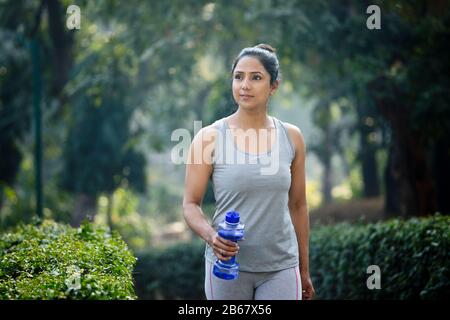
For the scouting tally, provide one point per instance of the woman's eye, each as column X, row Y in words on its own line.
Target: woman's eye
column 239, row 77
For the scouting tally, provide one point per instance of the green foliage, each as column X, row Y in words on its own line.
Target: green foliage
column 413, row 256
column 173, row 273
column 19, row 202
column 134, row 228
column 15, row 77
column 165, row 203
column 99, row 154
column 55, row 261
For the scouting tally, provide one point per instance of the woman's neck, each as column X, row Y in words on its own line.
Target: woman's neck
column 251, row 120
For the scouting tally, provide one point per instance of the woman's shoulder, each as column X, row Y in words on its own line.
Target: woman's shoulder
column 295, row 135
column 210, row 131
column 203, row 144
column 207, row 134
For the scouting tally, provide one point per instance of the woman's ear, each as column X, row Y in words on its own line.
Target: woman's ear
column 274, row 87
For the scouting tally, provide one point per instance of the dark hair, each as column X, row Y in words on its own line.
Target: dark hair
column 266, row 55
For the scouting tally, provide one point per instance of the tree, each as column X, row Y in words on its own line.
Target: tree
column 20, row 22
column 100, row 152
column 390, row 70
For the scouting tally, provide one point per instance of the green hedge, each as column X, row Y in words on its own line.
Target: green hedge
column 173, row 273
column 54, row 261
column 413, row 256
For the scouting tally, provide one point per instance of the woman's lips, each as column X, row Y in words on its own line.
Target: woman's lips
column 245, row 96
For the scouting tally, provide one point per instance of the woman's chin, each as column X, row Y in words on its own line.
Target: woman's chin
column 247, row 105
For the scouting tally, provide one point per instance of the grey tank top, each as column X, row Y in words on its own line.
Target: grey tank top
column 257, row 186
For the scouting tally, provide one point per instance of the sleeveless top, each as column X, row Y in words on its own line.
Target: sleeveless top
column 256, row 186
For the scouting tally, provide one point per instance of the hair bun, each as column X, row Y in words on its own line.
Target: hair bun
column 266, row 47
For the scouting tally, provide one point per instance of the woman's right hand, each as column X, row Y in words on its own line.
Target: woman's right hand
column 222, row 248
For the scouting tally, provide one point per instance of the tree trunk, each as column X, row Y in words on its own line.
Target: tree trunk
column 371, row 183
column 2, row 191
column 409, row 168
column 1, row 203
column 327, row 183
column 369, row 167
column 109, row 211
column 391, row 176
column 62, row 40
column 85, row 209
column 441, row 173
column 410, row 172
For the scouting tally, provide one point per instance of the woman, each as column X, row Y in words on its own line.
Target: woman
column 273, row 257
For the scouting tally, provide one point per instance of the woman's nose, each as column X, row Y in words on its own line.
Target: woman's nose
column 245, row 85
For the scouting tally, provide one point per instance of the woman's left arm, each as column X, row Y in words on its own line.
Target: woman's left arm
column 298, row 208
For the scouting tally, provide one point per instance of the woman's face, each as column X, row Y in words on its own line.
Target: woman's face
column 251, row 84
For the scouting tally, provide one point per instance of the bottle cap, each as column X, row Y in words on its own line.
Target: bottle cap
column 232, row 217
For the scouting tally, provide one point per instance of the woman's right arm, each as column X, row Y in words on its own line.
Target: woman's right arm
column 198, row 172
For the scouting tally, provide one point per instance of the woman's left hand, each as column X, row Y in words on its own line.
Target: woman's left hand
column 308, row 291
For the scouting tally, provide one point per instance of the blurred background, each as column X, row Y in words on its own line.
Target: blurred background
column 88, row 104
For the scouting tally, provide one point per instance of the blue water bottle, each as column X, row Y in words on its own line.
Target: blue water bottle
column 232, row 230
